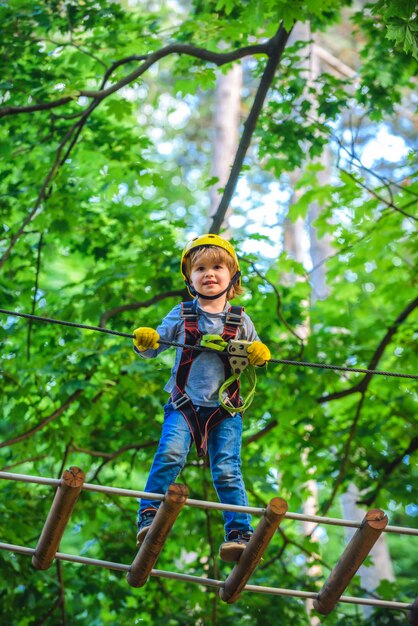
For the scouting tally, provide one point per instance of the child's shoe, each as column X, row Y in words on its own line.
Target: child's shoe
column 146, row 520
column 234, row 545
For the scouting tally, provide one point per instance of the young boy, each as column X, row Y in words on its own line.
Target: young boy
column 193, row 413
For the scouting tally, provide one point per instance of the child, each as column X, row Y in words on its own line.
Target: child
column 211, row 271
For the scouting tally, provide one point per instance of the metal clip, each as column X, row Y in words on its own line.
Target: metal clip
column 238, row 356
column 189, row 315
column 184, row 399
column 234, row 319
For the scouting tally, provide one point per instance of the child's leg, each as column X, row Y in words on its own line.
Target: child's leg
column 170, row 457
column 225, row 460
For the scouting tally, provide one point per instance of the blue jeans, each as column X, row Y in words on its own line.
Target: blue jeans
column 224, row 449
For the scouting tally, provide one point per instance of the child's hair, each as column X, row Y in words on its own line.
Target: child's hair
column 214, row 254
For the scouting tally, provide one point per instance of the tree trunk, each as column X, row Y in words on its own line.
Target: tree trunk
column 226, row 118
column 320, row 248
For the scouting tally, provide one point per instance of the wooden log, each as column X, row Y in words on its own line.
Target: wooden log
column 155, row 538
column 237, row 579
column 413, row 613
column 353, row 556
column 60, row 512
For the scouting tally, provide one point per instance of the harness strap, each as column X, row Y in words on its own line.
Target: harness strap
column 180, row 399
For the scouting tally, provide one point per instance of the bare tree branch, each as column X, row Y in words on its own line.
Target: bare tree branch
column 35, row 293
column 133, row 306
column 110, row 456
column 45, row 189
column 30, row 108
column 261, row 433
column 343, row 462
column 67, row 451
column 333, row 61
column 279, row 306
column 73, row 133
column 44, row 618
column 61, row 593
column 361, row 386
column 391, row 331
column 218, row 58
column 389, row 203
column 387, row 468
column 47, row 420
column 31, row 459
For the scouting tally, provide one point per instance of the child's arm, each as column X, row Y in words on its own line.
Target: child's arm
column 146, row 341
column 258, row 353
column 146, row 338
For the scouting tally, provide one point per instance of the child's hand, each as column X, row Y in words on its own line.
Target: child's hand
column 258, row 353
column 146, row 338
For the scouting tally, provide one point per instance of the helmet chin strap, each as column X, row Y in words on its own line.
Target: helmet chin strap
column 218, row 295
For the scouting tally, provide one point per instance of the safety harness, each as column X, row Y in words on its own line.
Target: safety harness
column 179, row 398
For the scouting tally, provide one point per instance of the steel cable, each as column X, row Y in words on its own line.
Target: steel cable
column 339, row 368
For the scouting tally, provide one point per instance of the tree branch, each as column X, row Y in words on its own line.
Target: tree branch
column 35, row 293
column 45, row 187
column 74, row 132
column 387, row 339
column 386, row 469
column 67, row 451
column 278, row 307
column 389, row 203
column 61, row 593
column 31, row 459
column 218, row 58
column 261, row 433
column 44, row 618
column 333, row 61
column 110, row 456
column 364, row 383
column 286, row 540
column 28, row 433
column 133, row 306
column 276, row 46
column 346, row 454
column 42, row 106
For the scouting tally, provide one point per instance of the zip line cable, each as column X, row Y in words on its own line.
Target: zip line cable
column 339, row 368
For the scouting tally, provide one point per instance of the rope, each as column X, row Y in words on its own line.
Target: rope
column 203, row 504
column 209, row 582
column 246, row 403
column 339, row 368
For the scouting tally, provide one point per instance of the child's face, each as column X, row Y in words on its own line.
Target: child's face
column 210, row 277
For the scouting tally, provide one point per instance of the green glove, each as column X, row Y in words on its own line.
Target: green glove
column 146, row 338
column 258, row 353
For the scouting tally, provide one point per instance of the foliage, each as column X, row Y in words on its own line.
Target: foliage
column 98, row 194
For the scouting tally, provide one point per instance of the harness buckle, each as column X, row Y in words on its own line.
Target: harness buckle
column 187, row 314
column 181, row 401
column 234, row 319
column 227, row 400
column 238, row 355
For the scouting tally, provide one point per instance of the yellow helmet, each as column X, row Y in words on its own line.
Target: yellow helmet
column 209, row 240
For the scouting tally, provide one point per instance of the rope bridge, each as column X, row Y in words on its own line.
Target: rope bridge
column 72, row 483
